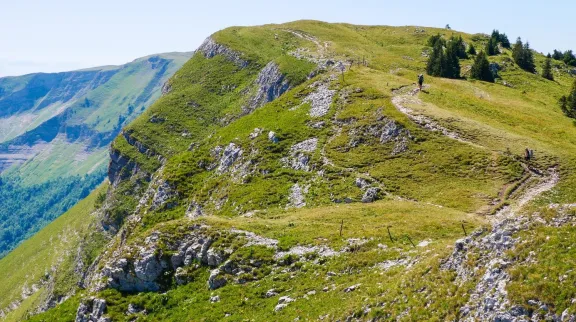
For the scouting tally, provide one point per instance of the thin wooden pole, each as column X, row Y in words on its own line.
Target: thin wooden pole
column 341, row 225
column 390, row 234
column 410, row 241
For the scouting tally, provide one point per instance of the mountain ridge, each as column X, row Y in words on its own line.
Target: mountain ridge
column 294, row 171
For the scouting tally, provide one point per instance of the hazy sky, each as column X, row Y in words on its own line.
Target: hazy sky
column 59, row 35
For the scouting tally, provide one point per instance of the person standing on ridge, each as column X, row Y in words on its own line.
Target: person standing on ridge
column 420, row 81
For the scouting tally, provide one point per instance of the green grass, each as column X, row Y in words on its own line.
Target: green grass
column 429, row 190
column 545, row 272
column 318, row 226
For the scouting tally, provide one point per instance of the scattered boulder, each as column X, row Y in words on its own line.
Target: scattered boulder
column 92, row 311
column 134, row 309
column 361, row 183
column 272, row 137
column 280, row 307
column 216, row 280
column 351, row 288
column 270, row 293
column 285, row 299
column 370, row 195
column 255, row 133
column 214, row 299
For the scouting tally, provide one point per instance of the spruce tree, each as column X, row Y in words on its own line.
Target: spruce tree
column 547, row 70
column 471, row 50
column 436, row 60
column 452, row 64
column 529, row 64
column 557, row 55
column 481, row 68
column 504, row 41
column 568, row 103
column 492, row 47
column 569, row 58
column 523, row 56
column 518, row 52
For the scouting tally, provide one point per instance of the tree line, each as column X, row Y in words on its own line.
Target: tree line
column 444, row 59
column 28, row 208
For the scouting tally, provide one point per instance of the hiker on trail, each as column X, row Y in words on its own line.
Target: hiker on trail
column 420, row 81
column 527, row 154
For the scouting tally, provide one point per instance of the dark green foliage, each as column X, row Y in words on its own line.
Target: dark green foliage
column 481, row 68
column 523, row 56
column 568, row 103
column 445, row 62
column 547, row 70
column 453, row 53
column 499, row 38
column 434, row 39
column 567, row 57
column 557, row 55
column 492, row 47
column 27, row 209
column 435, row 61
column 471, row 50
column 459, row 46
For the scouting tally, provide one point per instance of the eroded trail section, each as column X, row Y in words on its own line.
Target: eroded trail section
column 489, row 299
column 403, row 97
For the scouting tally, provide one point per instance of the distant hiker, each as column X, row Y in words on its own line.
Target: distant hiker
column 527, row 154
column 420, row 81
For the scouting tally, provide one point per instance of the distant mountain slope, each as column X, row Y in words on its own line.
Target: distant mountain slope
column 41, row 112
column 295, row 172
column 54, row 134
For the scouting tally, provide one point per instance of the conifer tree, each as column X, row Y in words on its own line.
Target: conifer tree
column 518, row 52
column 529, row 64
column 569, row 58
column 547, row 70
column 452, row 64
column 568, row 103
column 471, row 50
column 504, row 41
column 523, row 56
column 481, row 68
column 557, row 55
column 461, row 48
column 492, row 47
column 436, row 60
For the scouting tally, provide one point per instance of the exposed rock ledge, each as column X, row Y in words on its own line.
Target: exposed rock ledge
column 211, row 48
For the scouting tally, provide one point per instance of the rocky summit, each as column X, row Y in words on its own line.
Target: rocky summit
column 296, row 172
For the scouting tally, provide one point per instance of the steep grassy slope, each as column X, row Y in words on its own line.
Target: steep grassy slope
column 294, row 172
column 54, row 134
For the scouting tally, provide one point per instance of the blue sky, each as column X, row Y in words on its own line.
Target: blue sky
column 58, row 35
